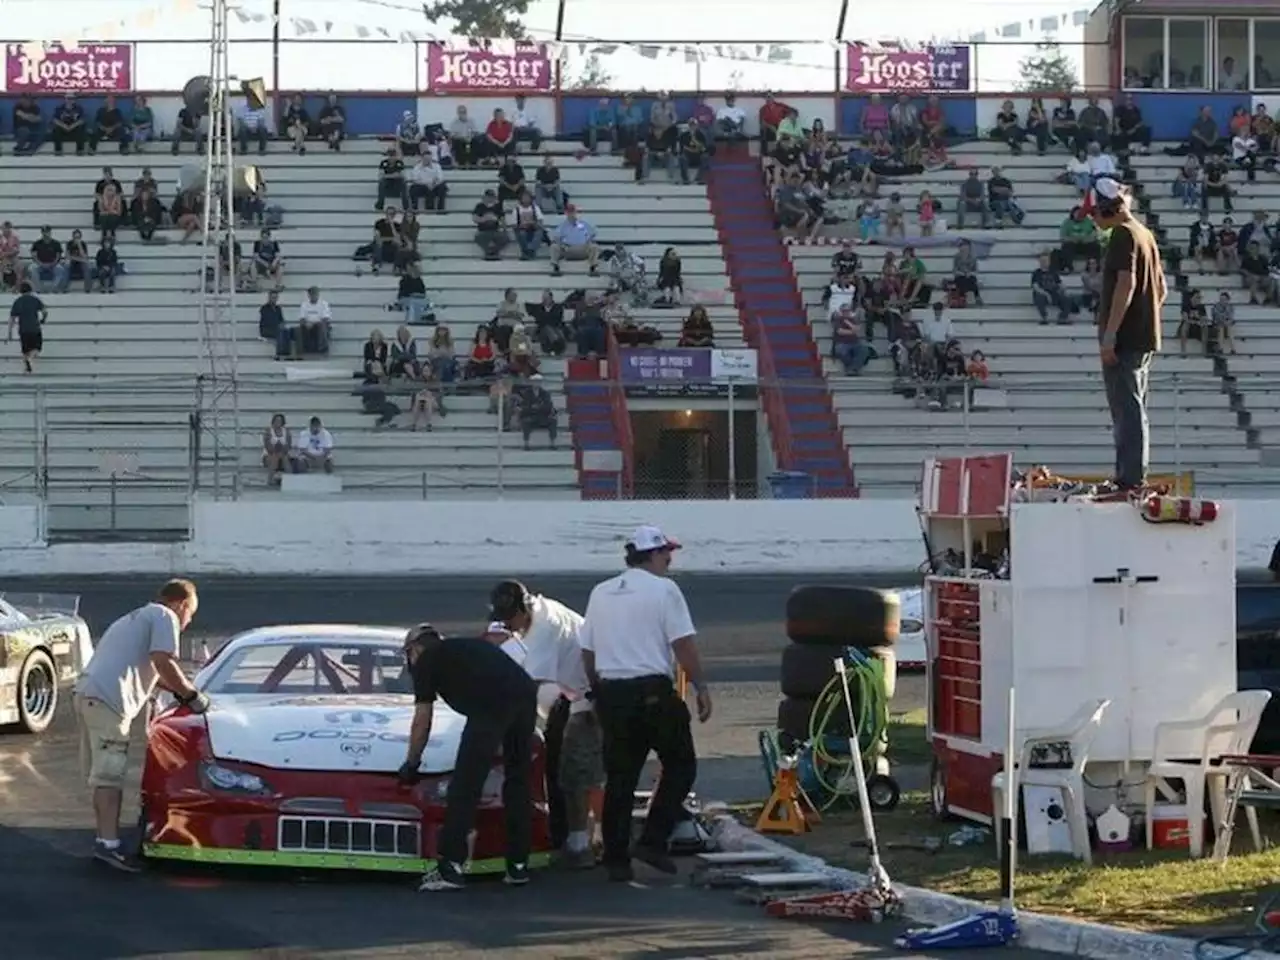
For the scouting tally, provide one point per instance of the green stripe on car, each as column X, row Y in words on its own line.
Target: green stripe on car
column 319, row 861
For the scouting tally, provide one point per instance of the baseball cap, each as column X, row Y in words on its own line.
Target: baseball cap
column 651, row 538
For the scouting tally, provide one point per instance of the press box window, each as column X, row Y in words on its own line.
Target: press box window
column 1233, row 57
column 1165, row 53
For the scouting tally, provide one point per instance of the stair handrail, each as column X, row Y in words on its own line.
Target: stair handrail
column 620, row 415
column 771, row 396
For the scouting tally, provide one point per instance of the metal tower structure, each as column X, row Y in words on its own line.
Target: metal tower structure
column 219, row 402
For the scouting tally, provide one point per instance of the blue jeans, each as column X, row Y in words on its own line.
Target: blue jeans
column 1007, row 208
column 590, row 340
column 553, row 194
column 1188, row 193
column 27, row 138
column 853, row 355
column 413, row 308
column 530, row 242
column 56, row 276
column 445, row 368
column 286, row 337
column 1126, row 387
column 646, row 164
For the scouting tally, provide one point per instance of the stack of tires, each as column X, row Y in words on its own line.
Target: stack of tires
column 822, row 621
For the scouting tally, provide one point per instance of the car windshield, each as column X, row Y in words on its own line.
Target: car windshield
column 306, row 667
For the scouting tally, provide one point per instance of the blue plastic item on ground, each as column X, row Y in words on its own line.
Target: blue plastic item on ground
column 791, row 485
column 993, row 928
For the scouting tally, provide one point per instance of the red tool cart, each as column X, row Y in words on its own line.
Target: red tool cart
column 1093, row 600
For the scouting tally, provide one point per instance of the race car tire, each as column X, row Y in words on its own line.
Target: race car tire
column 37, row 692
column 831, row 615
column 806, row 670
column 793, row 721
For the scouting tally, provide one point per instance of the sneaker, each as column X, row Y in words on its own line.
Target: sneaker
column 113, row 857
column 517, row 875
column 445, row 876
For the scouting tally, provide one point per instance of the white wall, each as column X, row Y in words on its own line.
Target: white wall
column 988, row 107
column 810, row 109
column 442, row 109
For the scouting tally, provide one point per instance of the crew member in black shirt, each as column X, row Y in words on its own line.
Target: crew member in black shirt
column 500, row 701
column 1128, row 127
column 28, row 315
column 109, row 125
column 391, row 180
column 333, row 123
column 695, row 151
column 187, row 128
column 105, row 264
column 1064, row 126
column 1133, row 294
column 69, row 125
column 28, row 125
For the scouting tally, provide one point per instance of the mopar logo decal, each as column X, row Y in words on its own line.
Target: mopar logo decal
column 354, row 748
column 358, row 718
column 350, row 736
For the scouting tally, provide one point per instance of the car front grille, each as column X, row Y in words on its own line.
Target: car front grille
column 385, row 838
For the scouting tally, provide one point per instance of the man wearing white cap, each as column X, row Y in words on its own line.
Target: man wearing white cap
column 637, row 630
column 1133, row 294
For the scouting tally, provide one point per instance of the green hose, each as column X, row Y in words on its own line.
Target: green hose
column 871, row 713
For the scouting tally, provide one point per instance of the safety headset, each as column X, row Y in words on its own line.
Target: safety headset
column 507, row 599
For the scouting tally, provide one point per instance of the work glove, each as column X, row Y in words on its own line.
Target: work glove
column 408, row 773
column 197, row 704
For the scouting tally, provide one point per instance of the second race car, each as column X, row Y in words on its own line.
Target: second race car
column 43, row 643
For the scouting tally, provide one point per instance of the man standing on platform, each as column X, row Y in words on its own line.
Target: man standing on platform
column 1133, row 294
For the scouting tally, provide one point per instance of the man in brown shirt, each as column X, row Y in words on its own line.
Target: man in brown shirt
column 1133, row 293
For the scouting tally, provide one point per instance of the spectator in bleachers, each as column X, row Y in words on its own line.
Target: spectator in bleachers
column 296, row 124
column 916, row 290
column 106, row 265
column 629, row 274
column 1095, row 125
column 977, row 368
column 29, row 315
column 142, row 123
column 590, row 330
column 823, row 155
column 1047, row 291
column 926, row 213
column 536, row 410
column 1223, row 321
column 1064, row 126
column 937, row 331
column 147, row 215
column 574, row 239
column 697, row 331
column 376, row 361
column 1101, row 163
column 1228, row 248
column 695, row 152
column 191, row 125
column 442, row 356
column 424, row 407
column 1037, row 126
column 315, row 320
column 277, row 443
column 111, row 211
column 28, row 125
column 550, row 331
column 403, row 359
column 499, row 141
column 874, row 119
column 785, row 160
column 391, row 184
column 904, row 124
column 843, row 291
column 628, row 124
column 1194, row 321
column 845, row 261
column 386, row 247
column 314, row 451
column 1264, row 129
column 267, row 259
column 411, row 296
column 253, row 123
column 186, row 212
column 48, row 269
column 1187, row 184
column 333, row 123
column 1002, row 200
column 78, row 261
column 109, row 125
column 895, row 217
column 1007, row 129
column 1077, row 173
column 964, row 273
column 847, row 342
column 270, row 318
column 1256, row 271
column 1203, row 244
column 508, row 316
column 511, row 179
column 527, row 130
column 231, row 266
column 409, row 227
column 973, row 199
column 408, row 134
column 10, row 250
column 464, row 139
column 772, row 112
column 1240, row 123
column 1091, row 286
column 795, row 217
column 1205, row 138
column 482, row 362
column 69, row 126
column 1078, row 239
column 108, row 179
column 1216, row 183
column 933, row 122
column 662, row 123
column 528, row 225
column 731, row 119
column 490, row 219
column 427, row 184
column 600, row 125
column 547, row 188
column 1258, row 230
column 1244, row 149
column 1128, row 128
column 670, row 279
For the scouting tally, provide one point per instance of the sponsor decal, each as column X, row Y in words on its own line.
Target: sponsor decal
column 526, row 68
column 73, row 67
column 367, row 736
column 924, row 70
column 354, row 748
column 358, row 718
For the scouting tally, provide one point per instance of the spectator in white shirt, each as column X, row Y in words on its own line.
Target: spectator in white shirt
column 314, row 450
column 314, row 322
column 937, row 331
column 574, row 239
column 731, row 119
column 427, row 183
column 253, row 122
column 1100, row 164
column 839, row 295
column 527, row 129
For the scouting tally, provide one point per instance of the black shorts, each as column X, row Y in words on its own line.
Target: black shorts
column 31, row 342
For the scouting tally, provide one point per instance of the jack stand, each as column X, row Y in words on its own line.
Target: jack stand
column 788, row 809
column 866, row 906
column 993, row 928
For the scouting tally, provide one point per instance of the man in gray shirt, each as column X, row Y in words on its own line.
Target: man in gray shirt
column 138, row 652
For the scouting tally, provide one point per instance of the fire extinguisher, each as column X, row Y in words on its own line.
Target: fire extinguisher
column 1161, row 509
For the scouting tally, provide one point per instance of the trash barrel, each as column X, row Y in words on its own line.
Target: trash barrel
column 791, row 485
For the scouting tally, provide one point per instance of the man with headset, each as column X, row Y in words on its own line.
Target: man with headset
column 636, row 631
column 1133, row 295
column 553, row 657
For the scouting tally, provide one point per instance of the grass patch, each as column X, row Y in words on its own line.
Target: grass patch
column 1158, row 891
column 908, row 745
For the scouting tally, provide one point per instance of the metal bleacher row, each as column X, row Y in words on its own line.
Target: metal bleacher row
column 118, row 372
column 1047, row 404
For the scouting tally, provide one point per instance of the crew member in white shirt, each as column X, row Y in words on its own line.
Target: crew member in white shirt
column 731, row 119
column 527, row 129
column 315, row 449
column 507, row 641
column 550, row 632
column 253, row 122
column 314, row 318
column 636, row 631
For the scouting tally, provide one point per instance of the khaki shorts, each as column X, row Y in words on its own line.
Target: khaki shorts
column 104, row 743
column 582, row 754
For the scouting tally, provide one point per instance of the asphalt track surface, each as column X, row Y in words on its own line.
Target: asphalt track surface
column 55, row 904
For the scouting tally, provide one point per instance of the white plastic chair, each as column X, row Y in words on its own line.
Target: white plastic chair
column 1078, row 731
column 1226, row 729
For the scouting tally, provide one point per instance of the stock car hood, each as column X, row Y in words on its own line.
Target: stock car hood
column 341, row 734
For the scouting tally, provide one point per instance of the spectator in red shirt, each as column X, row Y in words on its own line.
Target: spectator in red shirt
column 933, row 123
column 499, row 138
column 772, row 113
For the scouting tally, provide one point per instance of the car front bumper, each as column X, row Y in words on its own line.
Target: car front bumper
column 309, row 860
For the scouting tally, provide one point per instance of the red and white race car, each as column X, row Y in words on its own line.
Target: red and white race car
column 294, row 763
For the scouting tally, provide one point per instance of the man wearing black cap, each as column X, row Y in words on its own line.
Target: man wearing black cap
column 1133, row 294
column 478, row 680
column 637, row 630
